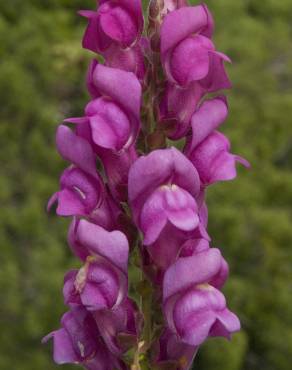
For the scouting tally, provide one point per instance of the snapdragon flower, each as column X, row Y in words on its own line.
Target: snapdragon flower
column 137, row 202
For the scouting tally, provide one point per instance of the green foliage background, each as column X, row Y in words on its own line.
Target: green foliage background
column 42, row 69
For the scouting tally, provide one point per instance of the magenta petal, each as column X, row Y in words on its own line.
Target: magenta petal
column 183, row 22
column 190, row 59
column 181, row 209
column 117, row 166
column 63, row 350
column 180, row 104
column 226, row 324
column 110, row 126
column 195, row 313
column 92, row 298
column 90, row 39
column 224, row 167
column 168, row 203
column 89, row 79
column 153, row 217
column 160, row 167
column 76, row 150
column 188, row 271
column 69, row 204
column 206, row 119
column 118, row 24
column 76, row 120
column 219, row 280
column 102, row 287
column 124, row 90
column 111, row 245
column 79, row 250
column 213, row 160
column 94, row 38
column 217, row 78
column 197, row 329
column 123, row 87
column 69, row 291
column 130, row 59
column 52, row 201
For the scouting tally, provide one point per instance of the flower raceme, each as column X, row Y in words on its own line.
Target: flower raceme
column 136, row 202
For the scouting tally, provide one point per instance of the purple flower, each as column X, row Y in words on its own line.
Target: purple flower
column 208, row 116
column 112, row 122
column 182, row 108
column 119, row 22
column 188, row 54
column 102, row 282
column 161, row 194
column 114, row 114
column 167, row 248
column 115, row 32
column 98, row 285
column 82, row 192
column 79, row 342
column 194, row 308
column 213, row 160
column 163, row 187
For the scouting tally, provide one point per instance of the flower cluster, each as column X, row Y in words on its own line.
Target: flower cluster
column 147, row 201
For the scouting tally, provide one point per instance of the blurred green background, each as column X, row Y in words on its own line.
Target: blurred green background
column 42, row 68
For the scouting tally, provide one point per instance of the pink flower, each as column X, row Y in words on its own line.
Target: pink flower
column 213, row 160
column 82, row 192
column 194, row 307
column 160, row 195
column 163, row 188
column 112, row 122
column 101, row 286
column 118, row 22
column 114, row 114
column 188, row 54
column 102, row 282
column 114, row 30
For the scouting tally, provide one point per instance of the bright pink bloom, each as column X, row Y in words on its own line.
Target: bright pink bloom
column 161, row 194
column 112, row 122
column 213, row 160
column 102, row 282
column 82, row 192
column 114, row 30
column 187, row 52
column 194, row 308
column 114, row 114
column 118, row 22
column 163, row 187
